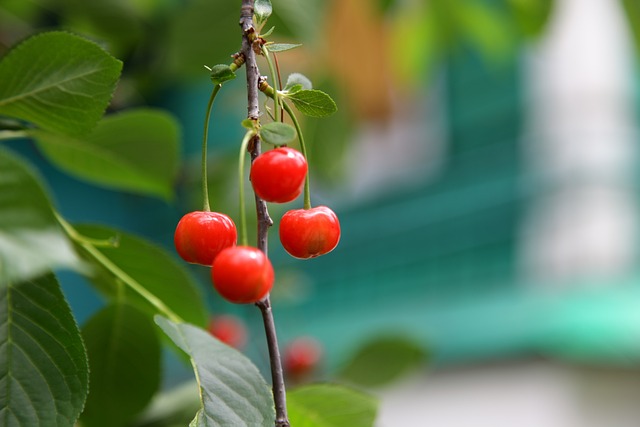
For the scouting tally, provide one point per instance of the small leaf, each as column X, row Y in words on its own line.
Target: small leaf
column 382, row 361
column 232, row 390
column 297, row 80
column 294, row 88
column 248, row 124
column 221, row 73
column 268, row 33
column 313, row 103
column 122, row 344
column 149, row 266
column 330, row 405
column 277, row 133
column 58, row 81
column 43, row 365
column 135, row 151
column 31, row 241
column 281, row 47
column 262, row 10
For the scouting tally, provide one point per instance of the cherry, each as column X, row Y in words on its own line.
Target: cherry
column 308, row 233
column 242, row 274
column 229, row 329
column 201, row 235
column 301, row 357
column 278, row 175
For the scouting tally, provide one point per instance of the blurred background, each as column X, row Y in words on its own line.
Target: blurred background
column 483, row 164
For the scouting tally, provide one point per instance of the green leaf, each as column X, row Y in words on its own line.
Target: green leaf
column 268, row 33
column 262, row 10
column 43, row 365
column 313, row 103
column 248, row 124
column 330, row 405
column 232, row 390
column 31, row 241
column 58, row 81
column 221, row 73
column 382, row 361
column 296, row 80
column 173, row 406
column 147, row 265
column 136, row 151
column 277, row 133
column 281, row 47
column 124, row 358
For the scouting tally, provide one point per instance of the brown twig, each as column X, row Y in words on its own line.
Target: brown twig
column 264, row 220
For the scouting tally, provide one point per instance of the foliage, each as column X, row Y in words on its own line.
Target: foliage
column 382, row 361
column 55, row 88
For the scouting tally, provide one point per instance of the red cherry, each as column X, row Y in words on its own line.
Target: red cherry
column 308, row 233
column 229, row 329
column 301, row 357
column 278, row 175
column 242, row 274
column 200, row 236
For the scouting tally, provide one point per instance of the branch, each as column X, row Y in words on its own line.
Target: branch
column 264, row 220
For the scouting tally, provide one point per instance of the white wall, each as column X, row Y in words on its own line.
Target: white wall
column 580, row 146
column 522, row 394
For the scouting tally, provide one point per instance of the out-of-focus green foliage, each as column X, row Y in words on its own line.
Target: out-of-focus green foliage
column 423, row 32
column 382, row 361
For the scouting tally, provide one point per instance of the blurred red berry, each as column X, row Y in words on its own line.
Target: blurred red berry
column 230, row 330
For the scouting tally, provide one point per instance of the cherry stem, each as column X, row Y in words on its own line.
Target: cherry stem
column 243, row 216
column 271, row 93
column 303, row 149
column 205, row 137
column 91, row 250
column 272, row 71
column 275, row 60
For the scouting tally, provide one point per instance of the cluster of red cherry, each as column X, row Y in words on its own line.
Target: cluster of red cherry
column 244, row 274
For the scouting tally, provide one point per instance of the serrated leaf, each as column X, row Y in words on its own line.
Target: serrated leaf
column 330, row 405
column 262, row 10
column 136, row 151
column 313, row 103
column 277, row 133
column 297, row 80
column 43, row 365
column 221, row 73
column 149, row 266
column 124, row 358
column 31, row 241
column 232, row 390
column 58, row 81
column 382, row 361
column 281, row 47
